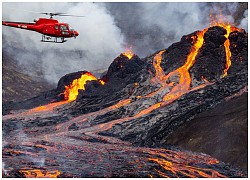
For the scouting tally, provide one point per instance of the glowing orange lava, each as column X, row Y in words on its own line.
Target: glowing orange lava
column 159, row 73
column 71, row 91
column 128, row 53
column 170, row 162
column 48, row 107
column 37, row 173
column 101, row 81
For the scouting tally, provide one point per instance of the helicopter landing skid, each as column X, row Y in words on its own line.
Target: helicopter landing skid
column 52, row 39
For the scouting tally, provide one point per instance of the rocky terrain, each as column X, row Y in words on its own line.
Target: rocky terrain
column 133, row 124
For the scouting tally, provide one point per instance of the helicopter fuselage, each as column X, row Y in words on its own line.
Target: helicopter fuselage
column 48, row 27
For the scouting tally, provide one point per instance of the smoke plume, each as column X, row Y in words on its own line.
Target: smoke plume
column 244, row 21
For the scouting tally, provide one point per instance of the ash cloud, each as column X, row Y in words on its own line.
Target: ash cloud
column 106, row 31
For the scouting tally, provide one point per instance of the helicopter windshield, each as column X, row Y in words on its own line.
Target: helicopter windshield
column 70, row 28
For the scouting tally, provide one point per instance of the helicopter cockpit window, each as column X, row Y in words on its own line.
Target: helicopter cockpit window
column 64, row 29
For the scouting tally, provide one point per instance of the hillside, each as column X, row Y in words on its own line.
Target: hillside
column 18, row 86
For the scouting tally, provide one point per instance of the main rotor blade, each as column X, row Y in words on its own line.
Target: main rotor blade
column 60, row 14
column 54, row 14
column 70, row 15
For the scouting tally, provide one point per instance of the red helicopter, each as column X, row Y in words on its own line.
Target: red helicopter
column 50, row 28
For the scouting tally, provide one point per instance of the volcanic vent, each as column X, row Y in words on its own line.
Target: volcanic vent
column 117, row 126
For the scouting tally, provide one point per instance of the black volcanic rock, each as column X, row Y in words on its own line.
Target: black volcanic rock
column 215, row 36
column 122, row 66
column 239, row 50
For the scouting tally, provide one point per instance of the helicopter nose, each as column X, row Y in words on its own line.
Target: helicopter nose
column 76, row 33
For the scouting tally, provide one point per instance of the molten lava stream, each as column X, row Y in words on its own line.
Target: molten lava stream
column 159, row 73
column 41, row 109
column 229, row 29
column 37, row 173
column 46, row 108
column 173, row 162
column 159, row 77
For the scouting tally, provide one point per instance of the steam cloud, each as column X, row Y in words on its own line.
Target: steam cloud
column 106, row 31
column 244, row 21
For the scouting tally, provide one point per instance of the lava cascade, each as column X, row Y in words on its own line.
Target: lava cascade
column 71, row 91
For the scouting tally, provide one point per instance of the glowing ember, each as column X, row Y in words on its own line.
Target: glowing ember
column 128, row 53
column 101, row 81
column 36, row 173
column 71, row 91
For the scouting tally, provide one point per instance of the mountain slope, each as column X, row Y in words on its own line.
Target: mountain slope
column 220, row 132
column 18, row 86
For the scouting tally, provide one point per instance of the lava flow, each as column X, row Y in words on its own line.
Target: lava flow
column 171, row 166
column 229, row 29
column 37, row 173
column 185, row 79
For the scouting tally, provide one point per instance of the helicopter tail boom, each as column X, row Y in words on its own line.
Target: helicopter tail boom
column 21, row 25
